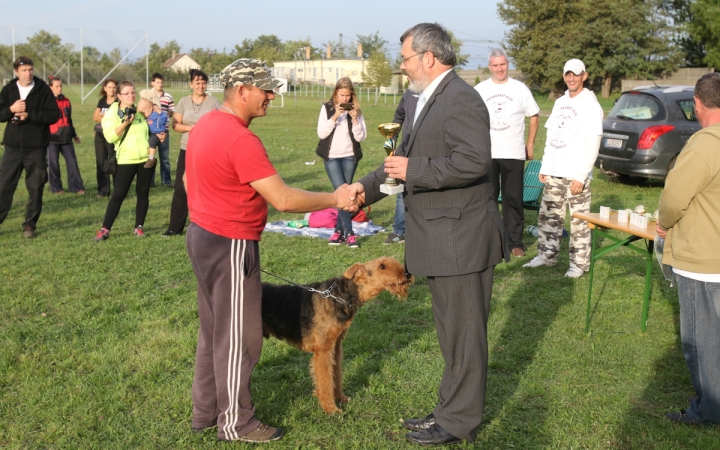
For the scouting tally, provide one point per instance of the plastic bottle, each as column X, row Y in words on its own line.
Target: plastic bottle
column 297, row 223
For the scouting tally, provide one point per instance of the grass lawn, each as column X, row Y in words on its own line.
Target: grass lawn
column 97, row 340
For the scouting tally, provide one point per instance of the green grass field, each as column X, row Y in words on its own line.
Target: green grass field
column 97, row 340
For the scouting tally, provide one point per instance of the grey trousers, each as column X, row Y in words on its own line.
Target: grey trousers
column 461, row 305
column 230, row 337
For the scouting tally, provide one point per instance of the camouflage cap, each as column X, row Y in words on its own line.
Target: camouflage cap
column 249, row 71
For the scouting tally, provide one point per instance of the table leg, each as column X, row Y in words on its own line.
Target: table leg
column 592, row 269
column 648, row 280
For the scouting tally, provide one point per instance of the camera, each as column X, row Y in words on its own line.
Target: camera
column 127, row 112
column 347, row 106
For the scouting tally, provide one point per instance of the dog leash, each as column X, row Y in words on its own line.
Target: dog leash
column 327, row 293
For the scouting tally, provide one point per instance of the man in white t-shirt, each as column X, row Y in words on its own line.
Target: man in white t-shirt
column 574, row 130
column 509, row 102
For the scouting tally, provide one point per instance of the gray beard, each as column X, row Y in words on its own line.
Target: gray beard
column 417, row 86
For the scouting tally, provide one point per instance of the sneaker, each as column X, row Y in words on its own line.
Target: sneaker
column 169, row 233
column 263, row 433
column 28, row 232
column 574, row 272
column 168, row 185
column 139, row 231
column 102, row 235
column 539, row 261
column 351, row 241
column 680, row 417
column 150, row 163
column 394, row 239
column 336, row 238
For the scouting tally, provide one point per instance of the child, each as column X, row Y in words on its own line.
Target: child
column 156, row 121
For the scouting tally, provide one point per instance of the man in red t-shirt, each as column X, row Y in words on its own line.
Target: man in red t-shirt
column 229, row 181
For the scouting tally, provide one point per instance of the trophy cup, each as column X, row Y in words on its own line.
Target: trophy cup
column 390, row 130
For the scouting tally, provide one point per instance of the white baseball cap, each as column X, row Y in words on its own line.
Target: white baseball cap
column 575, row 66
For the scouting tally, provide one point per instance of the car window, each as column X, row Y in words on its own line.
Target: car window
column 637, row 106
column 688, row 109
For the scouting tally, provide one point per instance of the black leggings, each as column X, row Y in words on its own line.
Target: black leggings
column 179, row 208
column 103, row 149
column 123, row 180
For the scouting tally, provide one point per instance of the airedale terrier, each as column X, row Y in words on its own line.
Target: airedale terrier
column 316, row 322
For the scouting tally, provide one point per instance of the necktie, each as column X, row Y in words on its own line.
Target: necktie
column 419, row 107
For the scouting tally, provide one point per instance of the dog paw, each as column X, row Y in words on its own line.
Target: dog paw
column 331, row 409
column 342, row 398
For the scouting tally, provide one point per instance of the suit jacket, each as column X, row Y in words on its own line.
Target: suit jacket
column 405, row 113
column 453, row 225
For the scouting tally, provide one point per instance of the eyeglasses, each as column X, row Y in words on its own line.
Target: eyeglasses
column 404, row 60
column 128, row 93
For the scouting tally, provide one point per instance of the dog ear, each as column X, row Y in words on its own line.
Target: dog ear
column 352, row 271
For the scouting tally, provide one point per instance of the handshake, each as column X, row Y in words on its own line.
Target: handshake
column 350, row 197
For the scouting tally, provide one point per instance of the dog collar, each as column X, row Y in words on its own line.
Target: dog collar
column 327, row 293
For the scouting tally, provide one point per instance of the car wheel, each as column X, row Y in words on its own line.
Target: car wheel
column 629, row 179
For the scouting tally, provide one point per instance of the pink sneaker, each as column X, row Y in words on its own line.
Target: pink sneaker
column 336, row 238
column 102, row 235
column 351, row 241
column 139, row 231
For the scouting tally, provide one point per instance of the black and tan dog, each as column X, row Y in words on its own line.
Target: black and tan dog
column 317, row 323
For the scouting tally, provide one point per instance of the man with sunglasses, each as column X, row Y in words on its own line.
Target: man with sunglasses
column 28, row 106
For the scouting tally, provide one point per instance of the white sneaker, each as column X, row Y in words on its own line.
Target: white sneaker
column 539, row 261
column 574, row 272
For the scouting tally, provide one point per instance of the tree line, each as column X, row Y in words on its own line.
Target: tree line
column 617, row 39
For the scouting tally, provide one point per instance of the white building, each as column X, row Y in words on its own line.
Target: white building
column 320, row 71
column 180, row 62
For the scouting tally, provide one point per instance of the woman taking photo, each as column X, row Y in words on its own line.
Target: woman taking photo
column 187, row 112
column 103, row 149
column 62, row 135
column 127, row 129
column 341, row 128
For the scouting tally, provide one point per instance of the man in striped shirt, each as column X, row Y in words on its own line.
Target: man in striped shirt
column 168, row 106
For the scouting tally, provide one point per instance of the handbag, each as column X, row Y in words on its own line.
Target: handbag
column 110, row 164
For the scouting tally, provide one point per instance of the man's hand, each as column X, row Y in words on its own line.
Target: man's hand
column 396, row 167
column 76, row 139
column 660, row 230
column 18, row 107
column 22, row 117
column 357, row 194
column 161, row 136
column 541, row 177
column 345, row 199
column 576, row 187
column 529, row 151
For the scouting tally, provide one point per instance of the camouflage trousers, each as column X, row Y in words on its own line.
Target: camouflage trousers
column 551, row 219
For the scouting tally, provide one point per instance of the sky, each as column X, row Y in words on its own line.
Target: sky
column 221, row 24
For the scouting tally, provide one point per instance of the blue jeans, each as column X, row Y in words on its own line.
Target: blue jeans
column 399, row 223
column 163, row 156
column 341, row 171
column 700, row 336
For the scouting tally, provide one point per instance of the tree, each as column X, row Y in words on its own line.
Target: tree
column 614, row 38
column 705, row 29
column 372, row 43
column 378, row 72
column 681, row 13
column 461, row 58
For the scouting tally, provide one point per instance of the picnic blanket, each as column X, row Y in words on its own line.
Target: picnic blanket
column 359, row 228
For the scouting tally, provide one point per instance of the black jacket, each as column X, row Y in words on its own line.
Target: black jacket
column 323, row 148
column 42, row 112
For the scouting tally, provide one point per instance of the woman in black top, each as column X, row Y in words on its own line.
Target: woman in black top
column 103, row 149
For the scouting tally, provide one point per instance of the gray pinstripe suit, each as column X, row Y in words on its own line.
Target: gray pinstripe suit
column 453, row 236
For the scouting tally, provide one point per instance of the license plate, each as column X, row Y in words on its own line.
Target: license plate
column 613, row 143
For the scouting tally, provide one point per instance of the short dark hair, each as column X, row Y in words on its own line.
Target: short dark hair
column 22, row 61
column 197, row 73
column 52, row 79
column 707, row 90
column 431, row 37
column 155, row 76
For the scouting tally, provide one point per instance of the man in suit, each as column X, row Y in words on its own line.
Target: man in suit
column 453, row 230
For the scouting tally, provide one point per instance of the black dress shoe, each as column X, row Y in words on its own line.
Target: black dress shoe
column 169, row 233
column 420, row 424
column 434, row 435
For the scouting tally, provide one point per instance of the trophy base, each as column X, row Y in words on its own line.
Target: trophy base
column 390, row 190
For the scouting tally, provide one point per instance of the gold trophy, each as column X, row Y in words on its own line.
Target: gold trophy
column 390, row 130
